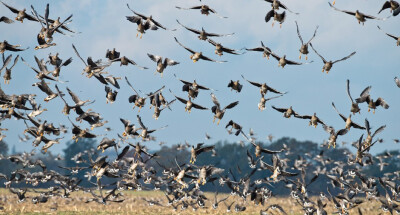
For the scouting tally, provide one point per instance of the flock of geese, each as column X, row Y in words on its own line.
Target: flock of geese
column 182, row 183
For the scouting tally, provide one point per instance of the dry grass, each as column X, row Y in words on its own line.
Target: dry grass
column 134, row 204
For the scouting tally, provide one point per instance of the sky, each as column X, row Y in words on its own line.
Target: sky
column 103, row 26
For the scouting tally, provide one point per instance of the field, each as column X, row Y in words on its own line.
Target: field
column 134, row 204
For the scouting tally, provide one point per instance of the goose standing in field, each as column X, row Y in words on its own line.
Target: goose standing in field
column 216, row 109
column 161, row 65
column 354, row 105
column 204, row 9
column 197, row 55
column 203, row 35
column 361, row 17
column 304, row 46
column 144, row 22
column 328, row 64
column 21, row 14
column 365, row 97
column 392, row 36
column 265, row 50
column 7, row 72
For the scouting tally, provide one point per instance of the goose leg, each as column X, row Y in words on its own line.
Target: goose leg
column 306, row 57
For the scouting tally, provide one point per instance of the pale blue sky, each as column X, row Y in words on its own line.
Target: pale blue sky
column 104, row 26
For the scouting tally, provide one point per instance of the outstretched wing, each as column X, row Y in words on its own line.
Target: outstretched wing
column 298, row 33
column 345, row 58
column 190, row 50
column 77, row 53
column 344, row 11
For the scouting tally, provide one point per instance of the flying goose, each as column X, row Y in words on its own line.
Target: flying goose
column 264, row 88
column 361, row 17
column 263, row 100
column 145, row 131
column 5, row 46
column 7, row 72
column 111, row 95
column 21, row 14
column 333, row 135
column 235, row 85
column 287, row 112
column 370, row 136
column 197, row 55
column 137, row 99
column 393, row 5
column 192, row 88
column 144, row 23
column 125, row 61
column 189, row 104
column 304, row 46
column 365, row 97
column 46, row 89
column 265, row 50
column 397, row 81
column 282, row 61
column 113, row 54
column 216, row 109
column 204, row 9
column 92, row 68
column 259, row 150
column 219, row 49
column 328, row 64
column 157, row 107
column 276, row 4
column 203, row 35
column 279, row 17
column 161, row 65
column 277, row 168
column 314, row 120
column 354, row 105
column 194, row 152
column 6, row 20
column 348, row 121
column 48, row 29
